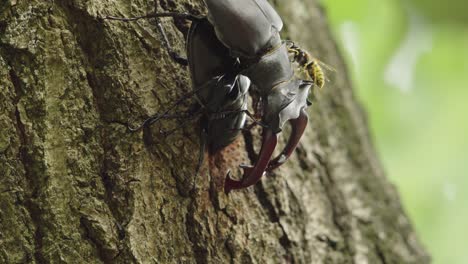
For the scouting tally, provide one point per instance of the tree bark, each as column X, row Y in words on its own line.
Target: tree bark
column 77, row 187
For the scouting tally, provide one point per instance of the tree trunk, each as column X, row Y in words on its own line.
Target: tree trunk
column 77, row 187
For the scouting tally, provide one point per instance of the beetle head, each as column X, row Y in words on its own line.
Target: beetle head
column 225, row 99
column 223, row 93
column 285, row 102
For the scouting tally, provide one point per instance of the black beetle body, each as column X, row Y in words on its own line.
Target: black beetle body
column 221, row 91
column 237, row 44
column 250, row 29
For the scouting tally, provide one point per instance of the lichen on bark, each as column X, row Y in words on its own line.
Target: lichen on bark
column 78, row 187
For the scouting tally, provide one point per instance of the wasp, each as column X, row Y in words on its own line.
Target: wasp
column 308, row 64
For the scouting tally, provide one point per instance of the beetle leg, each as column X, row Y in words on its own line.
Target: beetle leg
column 156, row 15
column 174, row 55
column 252, row 174
column 255, row 120
column 156, row 117
column 219, row 115
column 250, row 126
column 247, row 128
column 298, row 126
column 201, row 155
column 203, row 140
column 184, row 123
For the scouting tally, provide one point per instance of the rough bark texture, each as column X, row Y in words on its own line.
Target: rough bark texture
column 77, row 187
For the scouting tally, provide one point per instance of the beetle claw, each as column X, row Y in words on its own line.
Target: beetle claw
column 298, row 126
column 247, row 169
column 282, row 158
column 229, row 183
column 252, row 174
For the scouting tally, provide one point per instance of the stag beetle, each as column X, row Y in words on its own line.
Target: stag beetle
column 237, row 47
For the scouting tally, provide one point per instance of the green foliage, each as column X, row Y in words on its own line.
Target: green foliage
column 418, row 113
column 449, row 11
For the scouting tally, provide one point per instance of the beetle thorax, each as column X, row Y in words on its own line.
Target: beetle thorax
column 271, row 69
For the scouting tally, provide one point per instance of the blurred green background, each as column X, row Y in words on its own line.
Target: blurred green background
column 409, row 61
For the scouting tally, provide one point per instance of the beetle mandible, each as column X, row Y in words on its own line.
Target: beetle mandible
column 238, row 43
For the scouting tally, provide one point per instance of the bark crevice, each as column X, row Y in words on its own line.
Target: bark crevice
column 274, row 216
column 30, row 204
column 338, row 206
column 193, row 229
